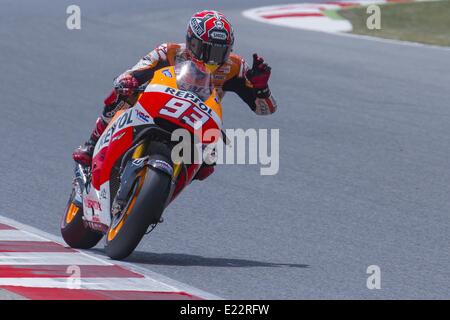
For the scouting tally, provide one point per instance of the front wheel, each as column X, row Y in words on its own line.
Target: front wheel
column 144, row 208
column 73, row 229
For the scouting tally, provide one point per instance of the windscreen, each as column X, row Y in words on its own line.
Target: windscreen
column 191, row 78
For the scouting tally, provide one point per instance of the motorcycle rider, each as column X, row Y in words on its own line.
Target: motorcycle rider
column 209, row 42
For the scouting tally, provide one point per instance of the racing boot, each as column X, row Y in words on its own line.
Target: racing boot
column 83, row 154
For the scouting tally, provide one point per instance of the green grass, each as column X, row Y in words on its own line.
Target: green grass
column 424, row 22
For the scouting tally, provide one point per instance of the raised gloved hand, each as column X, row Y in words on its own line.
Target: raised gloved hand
column 126, row 84
column 259, row 74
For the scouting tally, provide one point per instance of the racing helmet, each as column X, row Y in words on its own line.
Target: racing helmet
column 209, row 39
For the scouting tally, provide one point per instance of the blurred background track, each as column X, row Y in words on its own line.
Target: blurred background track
column 364, row 142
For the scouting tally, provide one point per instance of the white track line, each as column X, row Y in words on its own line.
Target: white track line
column 107, row 284
column 18, row 235
column 48, row 258
column 150, row 276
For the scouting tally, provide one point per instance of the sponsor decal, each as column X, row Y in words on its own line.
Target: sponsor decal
column 103, row 194
column 167, row 73
column 218, row 35
column 189, row 96
column 224, row 69
column 111, row 112
column 93, row 204
column 118, row 137
column 138, row 162
column 220, row 77
column 162, row 165
column 142, row 116
column 219, row 24
column 198, row 29
column 147, row 61
column 161, row 51
column 97, row 226
column 123, row 121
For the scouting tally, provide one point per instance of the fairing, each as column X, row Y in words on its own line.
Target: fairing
column 163, row 98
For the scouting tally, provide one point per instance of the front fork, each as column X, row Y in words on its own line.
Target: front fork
column 173, row 183
column 81, row 182
column 176, row 170
column 130, row 173
column 134, row 168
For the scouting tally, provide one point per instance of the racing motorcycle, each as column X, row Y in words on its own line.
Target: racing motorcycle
column 133, row 177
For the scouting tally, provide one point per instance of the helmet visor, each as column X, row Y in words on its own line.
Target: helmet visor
column 208, row 52
column 215, row 53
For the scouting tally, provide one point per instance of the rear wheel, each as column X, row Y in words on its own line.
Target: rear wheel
column 144, row 208
column 73, row 229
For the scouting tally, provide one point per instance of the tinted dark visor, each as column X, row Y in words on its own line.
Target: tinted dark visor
column 213, row 53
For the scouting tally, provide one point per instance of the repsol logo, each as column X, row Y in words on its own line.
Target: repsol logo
column 191, row 97
column 122, row 121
